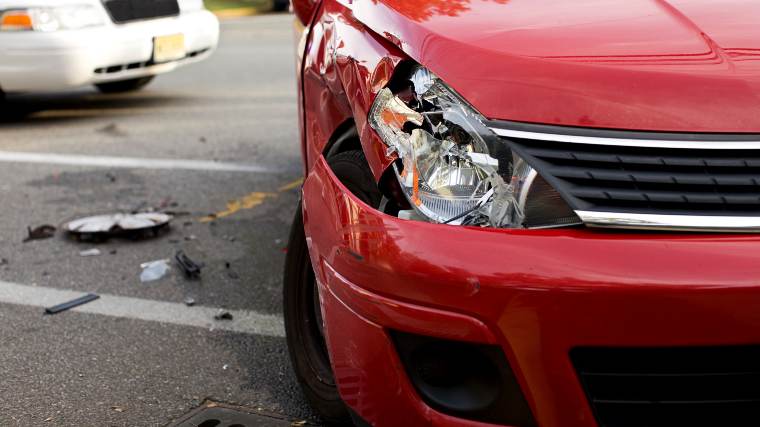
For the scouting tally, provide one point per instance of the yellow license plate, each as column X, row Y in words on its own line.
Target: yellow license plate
column 168, row 48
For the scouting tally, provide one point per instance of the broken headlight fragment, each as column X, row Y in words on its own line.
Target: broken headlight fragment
column 453, row 169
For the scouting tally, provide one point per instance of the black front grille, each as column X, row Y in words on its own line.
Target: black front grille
column 122, row 11
column 648, row 180
column 659, row 387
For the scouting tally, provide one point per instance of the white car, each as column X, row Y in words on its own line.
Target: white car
column 116, row 45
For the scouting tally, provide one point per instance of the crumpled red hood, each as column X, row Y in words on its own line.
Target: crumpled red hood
column 678, row 65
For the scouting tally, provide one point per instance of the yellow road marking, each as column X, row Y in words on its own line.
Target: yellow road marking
column 295, row 184
column 236, row 12
column 249, row 201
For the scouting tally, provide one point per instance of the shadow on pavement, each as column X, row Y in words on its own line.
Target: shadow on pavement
column 266, row 364
column 62, row 107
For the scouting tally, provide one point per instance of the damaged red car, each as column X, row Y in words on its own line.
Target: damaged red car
column 528, row 213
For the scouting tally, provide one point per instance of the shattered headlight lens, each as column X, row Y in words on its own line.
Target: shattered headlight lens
column 453, row 169
column 45, row 19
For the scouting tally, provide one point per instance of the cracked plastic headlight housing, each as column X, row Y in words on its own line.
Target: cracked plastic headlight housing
column 46, row 19
column 452, row 168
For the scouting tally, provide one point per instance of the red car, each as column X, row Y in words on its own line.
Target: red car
column 528, row 213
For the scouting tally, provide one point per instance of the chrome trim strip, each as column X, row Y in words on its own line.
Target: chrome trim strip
column 525, row 189
column 670, row 222
column 595, row 140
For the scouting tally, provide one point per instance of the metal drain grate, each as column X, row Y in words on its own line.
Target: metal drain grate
column 213, row 415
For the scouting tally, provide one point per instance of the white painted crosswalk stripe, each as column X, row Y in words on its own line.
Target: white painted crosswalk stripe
column 243, row 321
column 130, row 162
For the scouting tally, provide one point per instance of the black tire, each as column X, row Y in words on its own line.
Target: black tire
column 124, row 85
column 306, row 345
column 303, row 319
column 280, row 5
column 352, row 170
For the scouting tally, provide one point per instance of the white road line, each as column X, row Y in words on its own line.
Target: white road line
column 128, row 162
column 244, row 321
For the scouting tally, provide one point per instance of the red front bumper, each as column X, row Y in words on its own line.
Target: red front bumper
column 537, row 294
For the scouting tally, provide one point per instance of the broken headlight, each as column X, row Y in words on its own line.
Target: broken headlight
column 453, row 169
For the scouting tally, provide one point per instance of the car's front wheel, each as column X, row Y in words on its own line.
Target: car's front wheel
column 280, row 5
column 124, row 85
column 303, row 316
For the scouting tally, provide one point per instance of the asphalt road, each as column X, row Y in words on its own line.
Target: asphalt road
column 120, row 362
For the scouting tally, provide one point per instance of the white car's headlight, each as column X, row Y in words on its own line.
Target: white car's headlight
column 70, row 17
column 453, row 169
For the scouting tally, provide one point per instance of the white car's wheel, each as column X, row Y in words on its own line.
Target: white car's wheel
column 280, row 5
column 124, row 85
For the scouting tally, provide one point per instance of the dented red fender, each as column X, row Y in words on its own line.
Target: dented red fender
column 345, row 65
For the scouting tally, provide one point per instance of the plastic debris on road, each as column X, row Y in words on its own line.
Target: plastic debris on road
column 38, row 233
column 71, row 304
column 223, row 315
column 90, row 252
column 120, row 224
column 154, row 270
column 232, row 274
column 191, row 268
column 113, row 129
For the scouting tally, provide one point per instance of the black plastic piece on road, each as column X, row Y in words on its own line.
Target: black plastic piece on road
column 71, row 304
column 38, row 233
column 191, row 268
column 223, row 315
